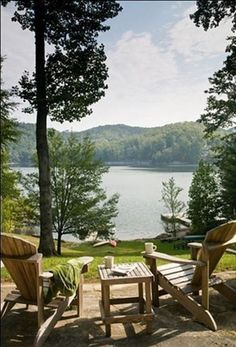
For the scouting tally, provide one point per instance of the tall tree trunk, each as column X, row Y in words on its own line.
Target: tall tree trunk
column 59, row 236
column 46, row 245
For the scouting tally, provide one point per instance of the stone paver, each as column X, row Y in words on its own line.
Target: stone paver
column 173, row 325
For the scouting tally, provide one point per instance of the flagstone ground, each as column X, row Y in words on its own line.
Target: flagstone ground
column 172, row 326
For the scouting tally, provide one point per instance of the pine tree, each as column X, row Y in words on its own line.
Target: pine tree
column 221, row 103
column 170, row 196
column 226, row 162
column 204, row 203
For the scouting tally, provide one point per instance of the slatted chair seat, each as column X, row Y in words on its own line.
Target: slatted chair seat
column 183, row 279
column 24, row 265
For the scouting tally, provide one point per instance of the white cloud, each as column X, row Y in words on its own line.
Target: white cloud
column 145, row 64
column 145, row 87
column 18, row 50
column 17, row 46
column 179, row 102
column 193, row 42
column 149, row 85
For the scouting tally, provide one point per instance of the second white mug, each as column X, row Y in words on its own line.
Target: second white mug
column 108, row 261
column 150, row 247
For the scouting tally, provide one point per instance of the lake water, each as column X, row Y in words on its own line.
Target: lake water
column 140, row 204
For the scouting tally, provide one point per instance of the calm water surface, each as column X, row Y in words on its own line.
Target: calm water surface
column 140, row 202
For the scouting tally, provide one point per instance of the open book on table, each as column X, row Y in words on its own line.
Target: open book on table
column 123, row 269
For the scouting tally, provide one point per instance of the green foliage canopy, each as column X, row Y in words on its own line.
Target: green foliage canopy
column 13, row 204
column 8, row 128
column 221, row 103
column 226, row 162
column 204, row 204
column 80, row 205
column 75, row 67
column 179, row 143
column 67, row 81
column 211, row 12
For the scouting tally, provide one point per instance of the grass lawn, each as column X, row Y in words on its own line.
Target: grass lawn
column 125, row 252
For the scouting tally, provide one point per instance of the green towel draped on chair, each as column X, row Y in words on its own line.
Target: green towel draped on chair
column 65, row 279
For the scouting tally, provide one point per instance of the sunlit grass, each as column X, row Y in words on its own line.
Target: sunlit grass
column 125, row 252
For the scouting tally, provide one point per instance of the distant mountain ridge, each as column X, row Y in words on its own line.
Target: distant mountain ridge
column 112, row 131
column 177, row 143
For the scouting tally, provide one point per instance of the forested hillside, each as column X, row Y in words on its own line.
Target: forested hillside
column 21, row 152
column 179, row 143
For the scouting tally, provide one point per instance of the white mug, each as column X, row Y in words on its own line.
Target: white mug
column 108, row 261
column 150, row 247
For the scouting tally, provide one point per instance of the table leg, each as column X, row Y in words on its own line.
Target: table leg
column 102, row 292
column 80, row 296
column 106, row 303
column 155, row 296
column 140, row 295
column 148, row 304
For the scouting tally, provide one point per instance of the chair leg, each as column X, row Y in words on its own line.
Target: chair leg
column 205, row 281
column 6, row 307
column 198, row 311
column 49, row 324
column 227, row 291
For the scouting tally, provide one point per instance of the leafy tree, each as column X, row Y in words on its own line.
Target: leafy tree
column 13, row 205
column 221, row 104
column 68, row 81
column 204, row 204
column 22, row 152
column 170, row 196
column 8, row 129
column 8, row 188
column 80, row 205
column 130, row 145
column 210, row 13
column 226, row 162
column 16, row 210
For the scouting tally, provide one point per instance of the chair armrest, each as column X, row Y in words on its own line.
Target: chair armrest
column 195, row 245
column 198, row 245
column 46, row 275
column 230, row 251
column 163, row 256
column 214, row 245
column 86, row 261
column 37, row 257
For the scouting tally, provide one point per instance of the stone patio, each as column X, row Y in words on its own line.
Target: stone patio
column 172, row 326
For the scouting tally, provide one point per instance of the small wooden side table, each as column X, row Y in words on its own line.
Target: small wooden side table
column 140, row 275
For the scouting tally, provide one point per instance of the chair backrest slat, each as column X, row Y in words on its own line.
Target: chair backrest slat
column 225, row 233
column 23, row 272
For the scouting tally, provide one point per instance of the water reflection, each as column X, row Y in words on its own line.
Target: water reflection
column 140, row 204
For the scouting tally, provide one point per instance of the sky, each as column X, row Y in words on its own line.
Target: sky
column 159, row 64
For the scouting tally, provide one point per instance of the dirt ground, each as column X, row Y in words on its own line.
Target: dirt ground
column 172, row 325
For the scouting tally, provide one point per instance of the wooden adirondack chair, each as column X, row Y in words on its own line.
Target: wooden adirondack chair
column 24, row 264
column 184, row 278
